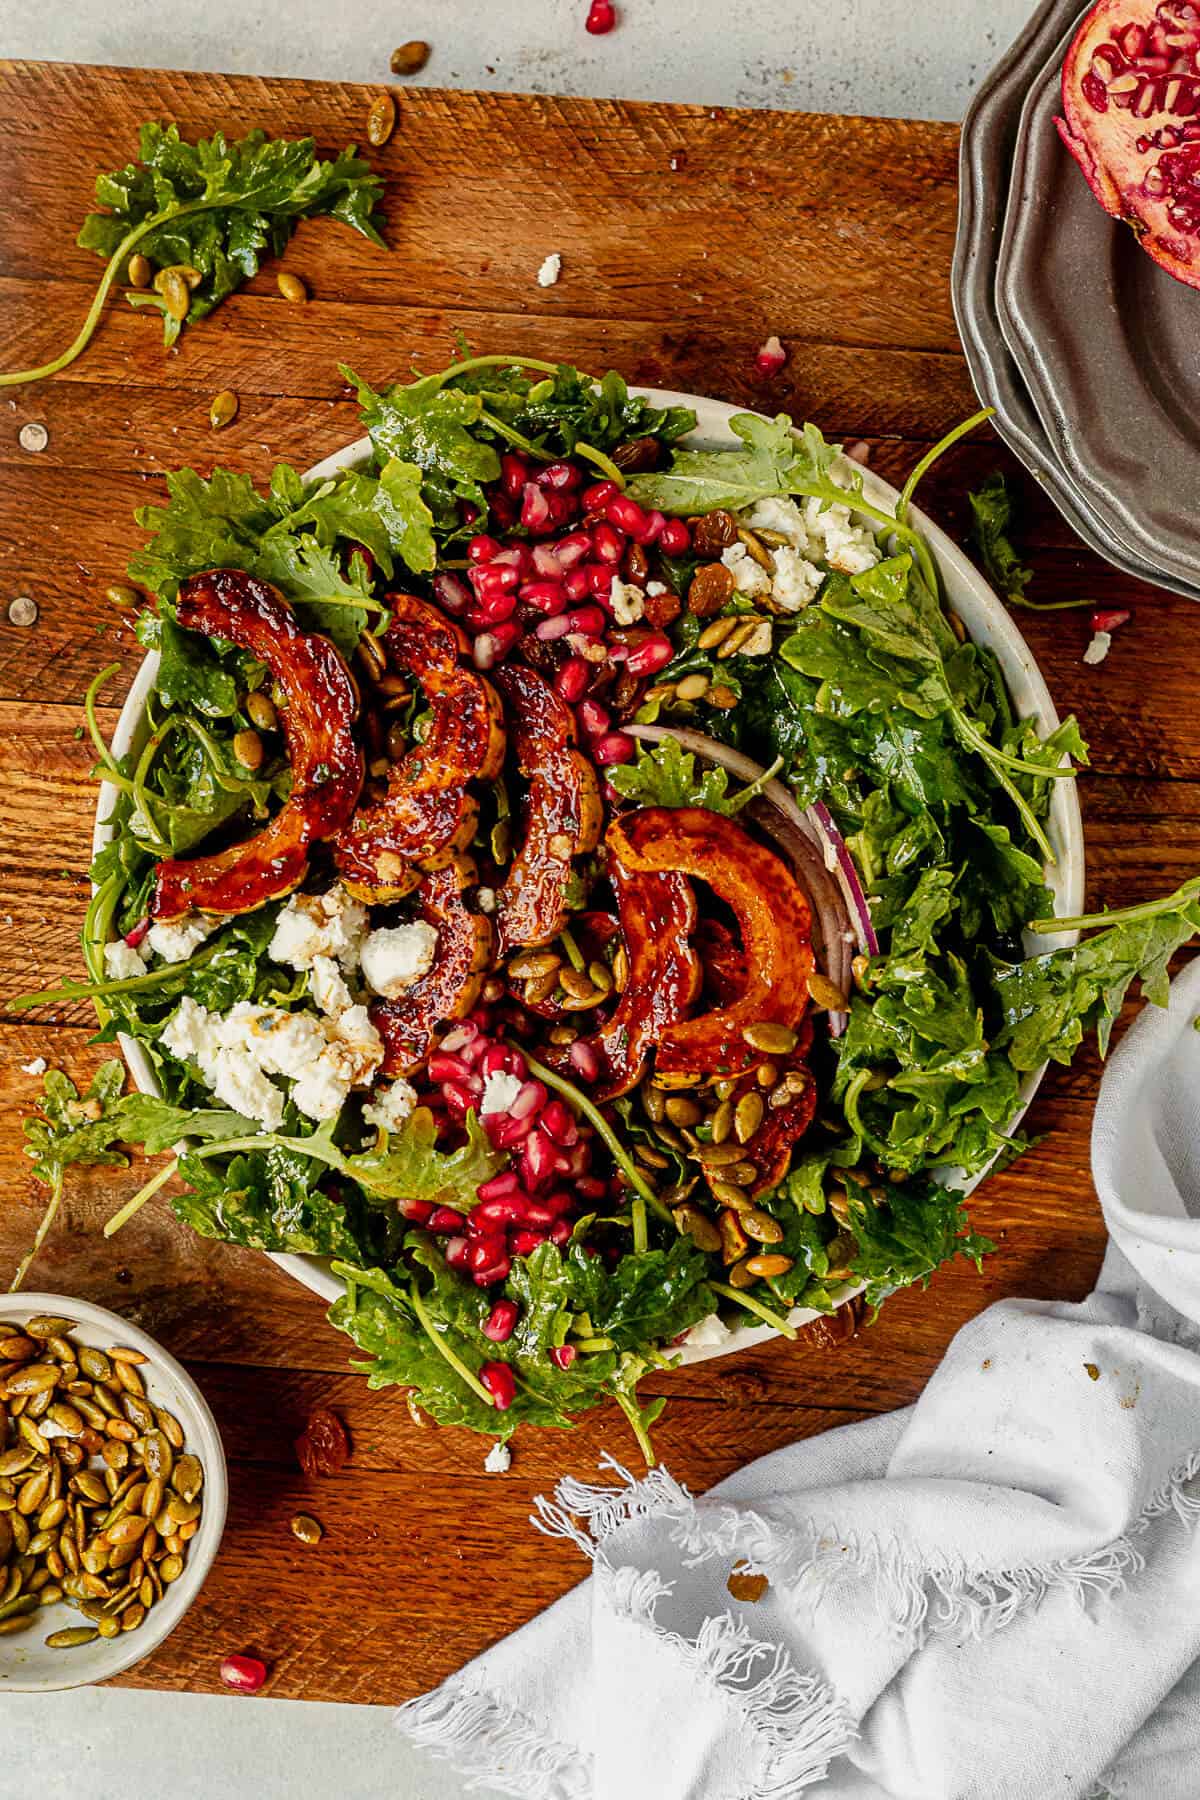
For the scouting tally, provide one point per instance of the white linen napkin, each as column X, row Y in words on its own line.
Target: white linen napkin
column 992, row 1595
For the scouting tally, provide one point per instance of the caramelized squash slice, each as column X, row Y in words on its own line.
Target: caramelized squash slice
column 773, row 918
column 317, row 703
column 451, row 987
column 428, row 814
column 561, row 817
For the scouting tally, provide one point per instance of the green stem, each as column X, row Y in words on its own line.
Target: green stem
column 765, row 1313
column 129, row 984
column 592, row 1346
column 128, row 243
column 1041, row 771
column 47, row 1220
column 512, row 436
column 854, row 1118
column 108, row 760
column 141, row 775
column 641, row 1236
column 1125, row 915
column 596, row 1119
column 443, row 1349
column 1045, row 605
column 829, row 490
column 574, row 953
column 605, row 464
column 491, row 362
column 931, row 456
column 123, row 1214
column 630, row 1409
column 754, row 790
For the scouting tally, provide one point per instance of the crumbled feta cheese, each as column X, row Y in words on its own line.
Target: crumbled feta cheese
column 281, row 1043
column 628, row 602
column 1099, row 647
column 38, row 1066
column 749, row 577
column 708, row 1334
column 328, row 987
column 759, row 642
column 498, row 1460
column 499, row 1092
column 389, row 1107
column 654, row 588
column 397, row 955
column 485, row 899
column 777, row 513
column 313, row 925
column 237, row 1080
column 121, row 961
column 844, row 545
column 797, row 581
column 175, row 941
column 550, row 270
column 357, row 1044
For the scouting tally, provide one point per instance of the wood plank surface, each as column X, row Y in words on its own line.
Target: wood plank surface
column 835, row 233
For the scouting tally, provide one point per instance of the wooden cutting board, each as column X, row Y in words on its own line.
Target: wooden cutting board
column 687, row 236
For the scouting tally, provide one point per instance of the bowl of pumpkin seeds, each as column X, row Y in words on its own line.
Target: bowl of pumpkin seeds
column 112, row 1493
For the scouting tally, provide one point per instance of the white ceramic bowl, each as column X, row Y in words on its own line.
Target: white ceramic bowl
column 988, row 622
column 26, row 1665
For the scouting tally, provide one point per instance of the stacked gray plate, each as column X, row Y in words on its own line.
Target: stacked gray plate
column 1086, row 349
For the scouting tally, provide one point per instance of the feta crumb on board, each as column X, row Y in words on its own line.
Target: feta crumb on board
column 1099, row 647
column 175, row 941
column 627, row 601
column 550, row 270
column 498, row 1460
column 397, row 955
column 499, row 1092
column 38, row 1066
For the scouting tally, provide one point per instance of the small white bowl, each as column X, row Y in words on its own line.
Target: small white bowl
column 26, row 1665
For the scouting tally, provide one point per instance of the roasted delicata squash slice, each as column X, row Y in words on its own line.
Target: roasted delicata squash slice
column 561, row 815
column 658, row 916
column 317, row 702
column 429, row 814
column 772, row 915
column 450, row 988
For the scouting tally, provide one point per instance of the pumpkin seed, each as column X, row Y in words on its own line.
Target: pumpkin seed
column 826, row 993
column 721, row 1124
column 307, row 1529
column 132, row 1616
column 108, row 1627
column 47, row 1325
column 772, row 1038
column 732, row 643
column 66, row 1418
column 715, row 1155
column 108, row 1400
column 692, row 687
column 541, row 987
column 34, row 1378
column 90, row 1487
column 261, row 713
column 139, row 1412
column 17, row 1348
column 741, row 1275
column 584, row 1002
column 153, row 1498
column 140, row 271
column 748, row 1116
column 121, row 1353
column 699, row 1227
column 127, row 1374
column 16, row 1460
column 532, row 963
column 576, row 983
column 73, row 1636
column 18, row 1605
column 381, row 120
column 50, row 1595
column 681, row 1109
column 223, row 409
column 654, row 1102
column 292, row 288
column 39, row 1404
column 121, row 1429
column 601, row 976
column 715, row 633
column 52, row 1514
column 29, row 1431
column 410, row 58
column 734, row 1242
column 768, row 1265
column 742, row 1174
column 761, row 1226
column 176, row 296
column 181, row 1511
column 115, row 1455
column 727, row 1194
column 34, row 1492
column 94, row 1363
column 766, row 1074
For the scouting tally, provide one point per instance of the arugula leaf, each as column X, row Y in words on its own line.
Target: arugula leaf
column 73, row 1129
column 213, row 206
column 270, row 1201
column 571, row 409
column 429, row 425
column 991, row 525
column 665, row 775
column 190, row 673
column 907, row 1232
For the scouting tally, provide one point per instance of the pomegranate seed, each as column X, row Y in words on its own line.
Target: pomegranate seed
column 459, row 1037
column 493, row 646
column 489, row 579
column 245, row 1673
column 509, row 1209
column 459, row 1099
column 608, row 544
column 530, row 1100
column 501, row 510
column 594, row 719
column 456, row 1252
column 467, row 512
column 535, row 509
column 577, row 585
column 483, row 548
column 525, row 1241
column 538, row 1159
column 651, row 655
column 134, row 936
column 500, row 1383
column 546, row 562
column 417, row 1212
column 563, row 1355
column 506, row 1132
column 514, row 474
column 497, row 1271
column 1103, row 619
column 588, row 621
column 546, row 596
column 616, row 747
column 451, row 593
column 484, row 1251
column 584, row 1059
column 572, row 679
column 626, row 513
column 598, row 494
column 652, row 530
column 591, row 1187
column 674, row 538
column 550, row 629
column 601, row 579
column 501, row 1060
column 444, row 1067
column 499, row 1185
column 770, row 357
column 444, row 1218
column 560, row 475
column 560, row 1232
column 558, row 1123
column 572, row 549
column 617, row 653
column 500, row 1321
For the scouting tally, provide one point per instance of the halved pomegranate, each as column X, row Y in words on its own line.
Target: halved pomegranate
column 1131, row 95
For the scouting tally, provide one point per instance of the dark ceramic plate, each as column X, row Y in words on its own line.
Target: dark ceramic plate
column 989, row 141
column 1107, row 344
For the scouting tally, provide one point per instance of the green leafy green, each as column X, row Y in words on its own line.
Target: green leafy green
column 215, row 207
column 992, row 513
column 73, row 1129
column 665, row 775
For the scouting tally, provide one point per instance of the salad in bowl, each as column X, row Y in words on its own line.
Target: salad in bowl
column 565, row 880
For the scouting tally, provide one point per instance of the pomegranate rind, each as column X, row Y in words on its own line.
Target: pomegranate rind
column 318, row 706
column 562, row 816
column 429, row 814
column 450, row 988
column 773, row 918
column 1138, row 185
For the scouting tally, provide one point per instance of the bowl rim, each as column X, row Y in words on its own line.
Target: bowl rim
column 126, row 1652
column 993, row 624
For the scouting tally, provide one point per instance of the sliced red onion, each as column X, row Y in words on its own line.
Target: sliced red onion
column 812, row 844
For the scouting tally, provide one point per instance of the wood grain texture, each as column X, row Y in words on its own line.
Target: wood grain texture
column 834, row 233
